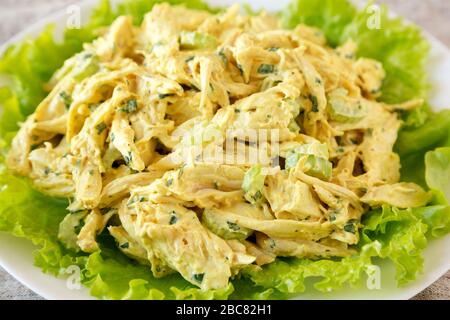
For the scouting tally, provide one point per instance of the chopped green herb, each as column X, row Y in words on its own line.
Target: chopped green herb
column 125, row 245
column 169, row 182
column 315, row 103
column 100, row 127
column 130, row 106
column 173, row 218
column 233, row 226
column 67, row 99
column 142, row 199
column 272, row 243
column 181, row 171
column 333, row 215
column 257, row 196
column 266, row 68
column 189, row 59
column 198, row 277
column 350, row 226
column 375, row 91
column 128, row 158
column 223, row 56
column 241, row 70
column 131, row 201
column 47, row 171
column 165, row 95
column 277, row 82
column 93, row 106
column 273, row 49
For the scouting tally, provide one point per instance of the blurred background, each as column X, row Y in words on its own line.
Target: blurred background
column 15, row 15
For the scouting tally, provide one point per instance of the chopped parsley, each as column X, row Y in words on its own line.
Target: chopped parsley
column 66, row 98
column 100, row 127
column 241, row 70
column 315, row 103
column 125, row 245
column 198, row 277
column 128, row 158
column 233, row 226
column 272, row 243
column 173, row 218
column 181, row 171
column 130, row 106
column 266, row 68
column 350, row 226
column 223, row 56
column 257, row 196
column 165, row 95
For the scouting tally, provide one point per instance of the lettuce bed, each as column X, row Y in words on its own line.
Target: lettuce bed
column 390, row 233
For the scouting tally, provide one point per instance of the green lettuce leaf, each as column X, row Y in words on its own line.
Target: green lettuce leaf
column 432, row 134
column 402, row 237
column 438, row 171
column 289, row 275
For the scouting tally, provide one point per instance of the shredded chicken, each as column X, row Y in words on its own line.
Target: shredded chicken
column 126, row 123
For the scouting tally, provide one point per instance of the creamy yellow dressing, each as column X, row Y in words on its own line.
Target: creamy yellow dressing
column 122, row 117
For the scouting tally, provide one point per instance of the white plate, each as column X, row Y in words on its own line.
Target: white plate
column 16, row 257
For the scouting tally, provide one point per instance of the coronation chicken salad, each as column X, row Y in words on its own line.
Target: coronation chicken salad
column 113, row 132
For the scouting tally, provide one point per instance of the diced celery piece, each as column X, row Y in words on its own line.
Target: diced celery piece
column 196, row 40
column 219, row 225
column 253, row 184
column 317, row 167
column 342, row 108
column 317, row 149
column 87, row 66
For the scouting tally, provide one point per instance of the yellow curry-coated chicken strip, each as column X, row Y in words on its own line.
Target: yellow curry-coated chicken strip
column 214, row 143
